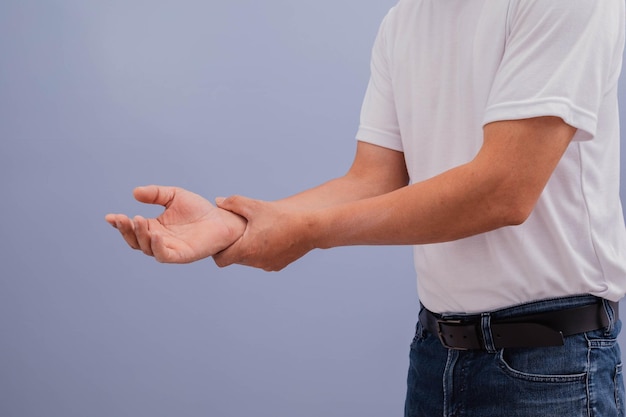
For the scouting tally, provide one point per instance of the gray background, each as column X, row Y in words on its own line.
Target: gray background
column 253, row 97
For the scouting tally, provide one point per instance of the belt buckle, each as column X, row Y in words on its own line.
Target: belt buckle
column 442, row 336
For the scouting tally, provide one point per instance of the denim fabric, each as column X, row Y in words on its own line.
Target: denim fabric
column 581, row 378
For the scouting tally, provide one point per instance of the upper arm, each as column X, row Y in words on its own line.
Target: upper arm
column 561, row 58
column 383, row 169
column 518, row 157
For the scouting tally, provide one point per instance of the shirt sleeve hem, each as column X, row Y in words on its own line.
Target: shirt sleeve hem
column 585, row 121
column 380, row 138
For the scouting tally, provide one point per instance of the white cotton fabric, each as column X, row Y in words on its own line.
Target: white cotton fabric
column 441, row 70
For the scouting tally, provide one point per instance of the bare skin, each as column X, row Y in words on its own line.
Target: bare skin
column 371, row 204
column 190, row 228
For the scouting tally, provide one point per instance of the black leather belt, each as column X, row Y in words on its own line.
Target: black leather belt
column 531, row 330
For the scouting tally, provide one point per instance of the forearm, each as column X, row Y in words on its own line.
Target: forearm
column 456, row 204
column 375, row 171
column 334, row 192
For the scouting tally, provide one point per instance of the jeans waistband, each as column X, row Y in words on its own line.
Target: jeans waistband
column 540, row 306
column 541, row 323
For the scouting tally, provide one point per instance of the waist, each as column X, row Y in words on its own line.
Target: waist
column 538, row 324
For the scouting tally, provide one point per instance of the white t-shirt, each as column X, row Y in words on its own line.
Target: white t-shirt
column 441, row 70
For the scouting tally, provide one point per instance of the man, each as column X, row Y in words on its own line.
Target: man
column 489, row 140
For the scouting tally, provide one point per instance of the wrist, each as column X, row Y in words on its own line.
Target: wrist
column 316, row 230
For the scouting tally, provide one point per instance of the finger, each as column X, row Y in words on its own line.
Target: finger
column 165, row 254
column 155, row 194
column 142, row 231
column 111, row 219
column 237, row 204
column 228, row 256
column 127, row 230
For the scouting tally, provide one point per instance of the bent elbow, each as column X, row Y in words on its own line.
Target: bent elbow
column 517, row 218
column 517, row 213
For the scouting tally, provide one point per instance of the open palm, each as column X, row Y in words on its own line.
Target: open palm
column 190, row 228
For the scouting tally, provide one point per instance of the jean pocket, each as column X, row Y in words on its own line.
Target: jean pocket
column 560, row 364
column 419, row 334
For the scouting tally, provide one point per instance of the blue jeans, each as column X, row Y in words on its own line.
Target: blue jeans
column 581, row 378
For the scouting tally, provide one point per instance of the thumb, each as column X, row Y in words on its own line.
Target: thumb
column 237, row 204
column 155, row 194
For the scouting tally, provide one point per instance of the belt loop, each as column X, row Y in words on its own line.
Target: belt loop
column 485, row 328
column 610, row 313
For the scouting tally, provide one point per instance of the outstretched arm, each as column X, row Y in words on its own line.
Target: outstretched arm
column 189, row 229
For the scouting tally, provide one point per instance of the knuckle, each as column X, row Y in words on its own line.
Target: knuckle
column 272, row 267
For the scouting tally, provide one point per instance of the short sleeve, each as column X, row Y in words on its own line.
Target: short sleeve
column 561, row 58
column 379, row 121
